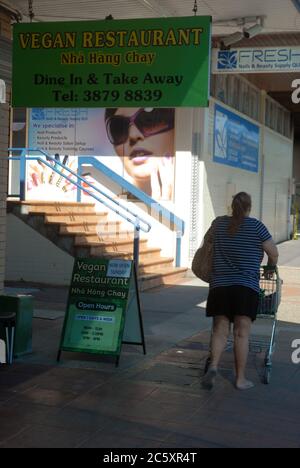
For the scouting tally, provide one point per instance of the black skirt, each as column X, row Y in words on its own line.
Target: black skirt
column 232, row 301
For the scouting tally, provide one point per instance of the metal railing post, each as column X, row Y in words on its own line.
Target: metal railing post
column 23, row 176
column 296, row 224
column 136, row 244
column 178, row 248
column 79, row 189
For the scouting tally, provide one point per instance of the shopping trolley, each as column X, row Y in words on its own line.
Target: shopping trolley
column 269, row 301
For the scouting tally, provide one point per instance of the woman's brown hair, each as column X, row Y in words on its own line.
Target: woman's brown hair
column 241, row 205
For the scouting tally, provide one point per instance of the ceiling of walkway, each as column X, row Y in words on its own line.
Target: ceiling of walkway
column 281, row 15
column 281, row 24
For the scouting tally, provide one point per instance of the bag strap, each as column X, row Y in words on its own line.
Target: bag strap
column 210, row 234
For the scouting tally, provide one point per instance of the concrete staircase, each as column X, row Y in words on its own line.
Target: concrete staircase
column 81, row 231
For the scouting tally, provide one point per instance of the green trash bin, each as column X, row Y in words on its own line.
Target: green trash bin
column 23, row 307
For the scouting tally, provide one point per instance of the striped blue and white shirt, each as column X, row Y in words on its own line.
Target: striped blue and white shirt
column 237, row 257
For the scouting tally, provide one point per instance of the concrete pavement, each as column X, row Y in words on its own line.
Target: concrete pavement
column 289, row 254
column 155, row 400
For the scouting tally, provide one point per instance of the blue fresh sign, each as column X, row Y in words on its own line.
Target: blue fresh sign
column 257, row 60
column 236, row 140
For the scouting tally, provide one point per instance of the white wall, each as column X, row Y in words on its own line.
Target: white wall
column 31, row 257
column 278, row 156
column 221, row 181
column 36, row 259
column 183, row 145
column 296, row 168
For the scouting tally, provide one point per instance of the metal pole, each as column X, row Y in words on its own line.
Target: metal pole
column 7, row 345
column 12, row 332
column 22, row 176
column 178, row 248
column 262, row 118
column 79, row 189
column 136, row 244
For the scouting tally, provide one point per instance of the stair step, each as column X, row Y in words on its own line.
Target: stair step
column 71, row 218
column 56, row 208
column 95, row 236
column 102, row 225
column 95, row 241
column 51, row 203
column 156, row 264
column 166, row 277
column 83, row 228
column 94, row 230
column 118, row 245
column 146, row 265
column 144, row 254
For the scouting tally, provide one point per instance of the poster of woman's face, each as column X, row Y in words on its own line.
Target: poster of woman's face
column 144, row 140
column 137, row 143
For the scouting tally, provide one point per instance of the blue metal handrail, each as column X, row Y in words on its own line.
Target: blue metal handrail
column 174, row 222
column 23, row 158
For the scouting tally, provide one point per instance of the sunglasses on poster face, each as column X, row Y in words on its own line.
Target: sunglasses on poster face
column 148, row 123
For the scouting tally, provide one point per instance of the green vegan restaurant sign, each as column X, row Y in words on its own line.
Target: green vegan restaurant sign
column 103, row 309
column 164, row 62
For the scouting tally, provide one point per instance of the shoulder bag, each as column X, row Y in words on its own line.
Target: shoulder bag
column 202, row 263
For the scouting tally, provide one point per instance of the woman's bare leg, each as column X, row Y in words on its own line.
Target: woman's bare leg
column 221, row 330
column 242, row 328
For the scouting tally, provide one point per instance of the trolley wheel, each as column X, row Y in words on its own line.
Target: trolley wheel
column 207, row 364
column 267, row 375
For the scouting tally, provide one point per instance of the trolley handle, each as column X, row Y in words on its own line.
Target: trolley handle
column 269, row 270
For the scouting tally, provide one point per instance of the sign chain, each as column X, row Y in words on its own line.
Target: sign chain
column 195, row 9
column 30, row 10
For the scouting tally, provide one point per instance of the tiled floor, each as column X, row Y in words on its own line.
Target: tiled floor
column 160, row 404
column 149, row 401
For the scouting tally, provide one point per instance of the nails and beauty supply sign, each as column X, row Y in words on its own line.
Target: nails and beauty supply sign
column 157, row 62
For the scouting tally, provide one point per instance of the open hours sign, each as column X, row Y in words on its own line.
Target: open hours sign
column 126, row 63
column 102, row 297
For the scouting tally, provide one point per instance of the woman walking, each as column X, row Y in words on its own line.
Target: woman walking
column 239, row 245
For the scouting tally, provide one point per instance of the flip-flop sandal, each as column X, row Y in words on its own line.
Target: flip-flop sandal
column 209, row 379
column 246, row 386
